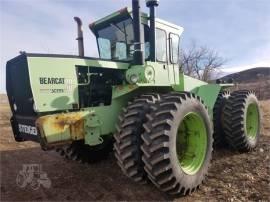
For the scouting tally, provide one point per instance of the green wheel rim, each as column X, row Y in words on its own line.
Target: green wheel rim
column 191, row 143
column 252, row 121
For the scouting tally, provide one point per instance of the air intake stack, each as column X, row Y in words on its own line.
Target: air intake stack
column 138, row 56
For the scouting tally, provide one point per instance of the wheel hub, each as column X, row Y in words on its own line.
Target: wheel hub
column 252, row 121
column 191, row 143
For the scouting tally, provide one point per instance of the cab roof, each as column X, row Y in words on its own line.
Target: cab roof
column 125, row 13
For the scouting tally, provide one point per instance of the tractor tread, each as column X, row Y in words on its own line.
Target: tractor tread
column 234, row 118
column 155, row 148
column 218, row 111
column 128, row 137
column 82, row 153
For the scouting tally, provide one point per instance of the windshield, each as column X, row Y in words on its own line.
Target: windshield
column 116, row 41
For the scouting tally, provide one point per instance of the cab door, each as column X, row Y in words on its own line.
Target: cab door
column 161, row 49
column 173, row 47
column 167, row 53
column 169, row 34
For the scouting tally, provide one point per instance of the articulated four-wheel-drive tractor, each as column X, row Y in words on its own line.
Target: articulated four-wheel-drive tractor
column 162, row 124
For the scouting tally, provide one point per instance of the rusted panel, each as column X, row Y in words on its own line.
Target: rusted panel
column 77, row 129
column 62, row 127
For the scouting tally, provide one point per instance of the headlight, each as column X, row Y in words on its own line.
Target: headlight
column 134, row 78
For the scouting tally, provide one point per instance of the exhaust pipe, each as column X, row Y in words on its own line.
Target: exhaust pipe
column 138, row 56
column 80, row 36
column 151, row 4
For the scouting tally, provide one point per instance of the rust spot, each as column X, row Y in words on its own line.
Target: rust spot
column 77, row 129
column 60, row 123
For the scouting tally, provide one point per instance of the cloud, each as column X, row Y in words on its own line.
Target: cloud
column 238, row 30
column 259, row 57
column 245, row 67
column 44, row 27
column 47, row 26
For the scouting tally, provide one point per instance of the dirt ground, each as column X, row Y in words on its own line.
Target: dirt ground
column 232, row 177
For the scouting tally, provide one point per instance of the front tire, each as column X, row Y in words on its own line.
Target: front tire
column 83, row 153
column 242, row 120
column 177, row 146
column 128, row 136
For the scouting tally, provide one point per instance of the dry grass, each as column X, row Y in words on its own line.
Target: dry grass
column 265, row 109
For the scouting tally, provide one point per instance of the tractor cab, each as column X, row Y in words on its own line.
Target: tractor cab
column 115, row 37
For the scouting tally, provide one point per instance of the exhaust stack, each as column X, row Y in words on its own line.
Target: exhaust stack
column 138, row 56
column 80, row 36
column 152, row 4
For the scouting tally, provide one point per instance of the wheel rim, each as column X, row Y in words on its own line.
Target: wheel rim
column 191, row 143
column 252, row 121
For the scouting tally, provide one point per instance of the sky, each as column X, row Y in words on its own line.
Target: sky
column 239, row 30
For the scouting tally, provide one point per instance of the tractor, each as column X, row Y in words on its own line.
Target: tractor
column 133, row 100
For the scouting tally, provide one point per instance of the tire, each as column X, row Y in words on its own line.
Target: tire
column 162, row 155
column 218, row 119
column 128, row 137
column 35, row 184
column 21, row 179
column 242, row 120
column 83, row 153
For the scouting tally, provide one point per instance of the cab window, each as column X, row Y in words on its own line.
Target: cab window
column 174, row 48
column 161, row 45
column 146, row 42
column 115, row 41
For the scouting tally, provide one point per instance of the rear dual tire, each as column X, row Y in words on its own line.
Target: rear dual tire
column 242, row 120
column 177, row 143
column 218, row 119
column 128, row 136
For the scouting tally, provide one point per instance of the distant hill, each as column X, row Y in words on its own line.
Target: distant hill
column 250, row 75
column 256, row 79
